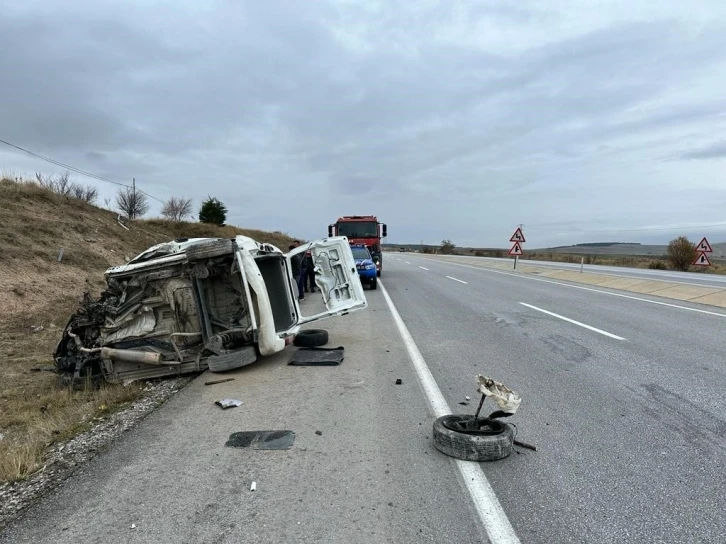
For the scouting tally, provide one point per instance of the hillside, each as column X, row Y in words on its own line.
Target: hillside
column 595, row 249
column 38, row 294
column 719, row 250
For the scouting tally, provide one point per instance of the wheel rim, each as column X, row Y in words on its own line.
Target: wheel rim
column 468, row 425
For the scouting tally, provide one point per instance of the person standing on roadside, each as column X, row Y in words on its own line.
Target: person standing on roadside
column 309, row 275
column 297, row 262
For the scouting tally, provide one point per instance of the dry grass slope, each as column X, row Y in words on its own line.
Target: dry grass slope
column 38, row 291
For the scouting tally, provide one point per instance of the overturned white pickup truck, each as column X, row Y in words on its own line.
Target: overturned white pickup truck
column 190, row 304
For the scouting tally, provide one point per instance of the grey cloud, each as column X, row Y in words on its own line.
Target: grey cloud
column 713, row 151
column 375, row 107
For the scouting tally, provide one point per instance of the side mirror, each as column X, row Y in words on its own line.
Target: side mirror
column 330, row 231
column 385, row 230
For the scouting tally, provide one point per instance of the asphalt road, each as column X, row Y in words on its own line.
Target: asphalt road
column 631, row 432
column 695, row 278
column 624, row 400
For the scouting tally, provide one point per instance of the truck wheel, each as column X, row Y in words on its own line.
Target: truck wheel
column 493, row 440
column 374, row 284
column 311, row 338
column 235, row 359
column 207, row 250
column 378, row 273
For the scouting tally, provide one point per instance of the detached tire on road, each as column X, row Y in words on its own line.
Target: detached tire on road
column 230, row 361
column 311, row 338
column 472, row 447
column 208, row 250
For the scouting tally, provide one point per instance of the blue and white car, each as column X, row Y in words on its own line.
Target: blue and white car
column 365, row 266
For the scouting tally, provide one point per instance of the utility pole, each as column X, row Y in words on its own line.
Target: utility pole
column 133, row 198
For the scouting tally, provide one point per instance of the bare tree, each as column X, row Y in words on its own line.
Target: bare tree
column 63, row 185
column 177, row 208
column 131, row 202
column 87, row 193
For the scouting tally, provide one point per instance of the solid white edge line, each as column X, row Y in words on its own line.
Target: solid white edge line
column 460, row 281
column 563, row 318
column 491, row 513
column 423, row 268
column 589, row 289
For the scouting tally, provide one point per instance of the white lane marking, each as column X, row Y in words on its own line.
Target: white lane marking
column 423, row 268
column 491, row 513
column 562, row 317
column 593, row 290
column 406, row 262
column 460, row 281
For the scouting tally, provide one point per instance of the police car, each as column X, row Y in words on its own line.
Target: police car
column 364, row 265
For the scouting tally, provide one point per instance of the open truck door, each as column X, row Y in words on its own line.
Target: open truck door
column 335, row 276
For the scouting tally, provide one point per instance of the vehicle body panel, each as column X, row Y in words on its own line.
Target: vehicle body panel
column 179, row 303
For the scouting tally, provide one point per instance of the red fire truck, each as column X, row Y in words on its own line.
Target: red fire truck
column 362, row 229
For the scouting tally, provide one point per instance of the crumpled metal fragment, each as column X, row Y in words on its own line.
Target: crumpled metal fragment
column 507, row 400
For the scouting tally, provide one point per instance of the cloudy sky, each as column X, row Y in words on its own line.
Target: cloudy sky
column 583, row 120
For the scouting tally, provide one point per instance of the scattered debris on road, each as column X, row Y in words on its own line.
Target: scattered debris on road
column 319, row 433
column 253, row 487
column 472, row 438
column 261, row 440
column 214, row 382
column 318, row 356
column 228, row 403
column 399, row 381
column 525, row 445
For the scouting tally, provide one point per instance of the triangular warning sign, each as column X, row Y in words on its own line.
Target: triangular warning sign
column 702, row 260
column 516, row 249
column 518, row 236
column 704, row 246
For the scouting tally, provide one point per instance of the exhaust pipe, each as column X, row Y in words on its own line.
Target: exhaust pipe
column 143, row 357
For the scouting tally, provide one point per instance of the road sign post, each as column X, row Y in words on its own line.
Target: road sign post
column 516, row 250
column 703, row 247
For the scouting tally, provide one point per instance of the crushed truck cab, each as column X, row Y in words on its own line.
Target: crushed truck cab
column 184, row 305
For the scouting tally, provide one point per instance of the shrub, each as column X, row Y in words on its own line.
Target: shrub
column 681, row 253
column 213, row 211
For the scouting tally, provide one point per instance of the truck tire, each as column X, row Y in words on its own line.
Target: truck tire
column 473, row 447
column 208, row 250
column 234, row 359
column 374, row 284
column 311, row 338
column 378, row 274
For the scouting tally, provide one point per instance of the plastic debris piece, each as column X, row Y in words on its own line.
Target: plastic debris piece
column 399, row 381
column 468, row 397
column 218, row 381
column 133, row 526
column 253, row 487
column 507, row 400
column 319, row 433
column 228, row 403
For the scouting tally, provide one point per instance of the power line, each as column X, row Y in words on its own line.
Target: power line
column 76, row 170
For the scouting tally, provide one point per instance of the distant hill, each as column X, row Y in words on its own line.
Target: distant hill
column 590, row 248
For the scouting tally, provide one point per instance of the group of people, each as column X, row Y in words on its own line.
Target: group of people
column 303, row 270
